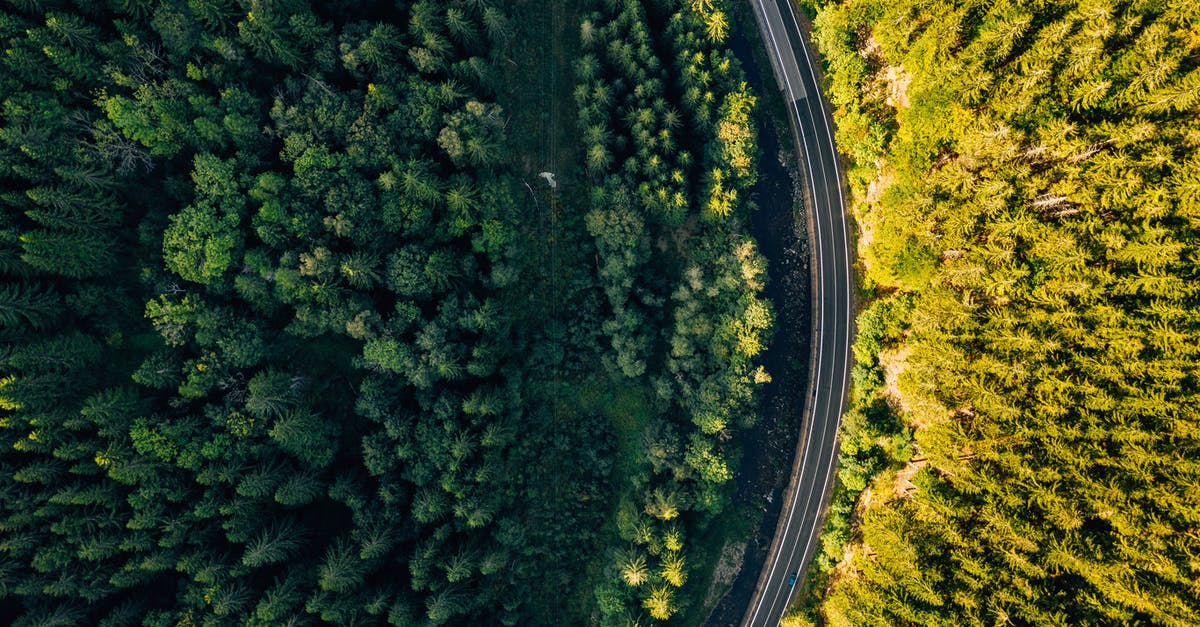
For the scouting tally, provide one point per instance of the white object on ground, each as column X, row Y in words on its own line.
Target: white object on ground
column 549, row 176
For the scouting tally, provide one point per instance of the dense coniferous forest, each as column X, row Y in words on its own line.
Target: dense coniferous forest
column 288, row 338
column 1024, row 447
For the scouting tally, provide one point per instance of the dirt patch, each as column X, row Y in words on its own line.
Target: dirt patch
column 845, row 567
column 897, row 81
column 729, row 565
column 893, row 79
column 884, row 178
column 902, row 485
column 893, row 363
column 871, row 50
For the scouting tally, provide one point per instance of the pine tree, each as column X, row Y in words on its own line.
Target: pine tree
column 28, row 303
column 274, row 544
column 72, row 255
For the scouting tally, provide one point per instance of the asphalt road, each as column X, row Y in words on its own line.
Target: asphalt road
column 798, row 530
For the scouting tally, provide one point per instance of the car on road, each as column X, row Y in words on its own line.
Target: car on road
column 792, row 579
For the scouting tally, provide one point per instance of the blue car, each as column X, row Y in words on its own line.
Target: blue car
column 792, row 579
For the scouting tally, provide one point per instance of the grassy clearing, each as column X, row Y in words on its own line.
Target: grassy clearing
column 539, row 79
column 627, row 408
column 557, row 283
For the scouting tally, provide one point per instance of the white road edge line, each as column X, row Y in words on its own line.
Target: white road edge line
column 824, row 429
column 846, row 241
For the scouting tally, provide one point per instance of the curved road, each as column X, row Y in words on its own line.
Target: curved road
column 798, row 530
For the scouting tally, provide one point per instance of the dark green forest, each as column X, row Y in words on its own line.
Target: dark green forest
column 292, row 331
column 1024, row 446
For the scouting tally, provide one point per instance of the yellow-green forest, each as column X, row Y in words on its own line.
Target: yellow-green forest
column 1024, row 446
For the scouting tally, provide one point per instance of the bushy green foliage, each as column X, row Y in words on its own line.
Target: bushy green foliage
column 670, row 148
